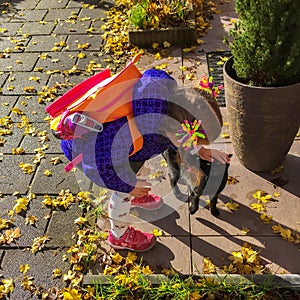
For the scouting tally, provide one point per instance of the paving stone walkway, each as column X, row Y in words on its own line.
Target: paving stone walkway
column 39, row 47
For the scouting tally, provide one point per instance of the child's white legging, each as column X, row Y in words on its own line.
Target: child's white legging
column 118, row 211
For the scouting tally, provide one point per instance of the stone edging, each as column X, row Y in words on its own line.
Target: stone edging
column 290, row 281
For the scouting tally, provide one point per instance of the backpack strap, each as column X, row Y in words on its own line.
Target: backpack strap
column 73, row 163
column 60, row 104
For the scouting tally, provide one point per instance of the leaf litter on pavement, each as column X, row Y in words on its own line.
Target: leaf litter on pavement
column 85, row 251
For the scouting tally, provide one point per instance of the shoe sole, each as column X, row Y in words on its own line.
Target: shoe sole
column 148, row 208
column 131, row 249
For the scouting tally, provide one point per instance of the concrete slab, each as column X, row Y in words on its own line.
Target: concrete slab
column 276, row 253
column 220, row 25
column 93, row 60
column 10, row 170
column 195, row 67
column 168, row 59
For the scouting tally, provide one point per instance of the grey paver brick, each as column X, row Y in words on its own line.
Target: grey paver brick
column 55, row 183
column 67, row 81
column 12, row 141
column 34, row 111
column 96, row 13
column 9, row 165
column 44, row 43
column 44, row 4
column 29, row 4
column 3, row 78
column 18, row 62
column 28, row 232
column 6, row 103
column 30, row 143
column 23, row 80
column 93, row 59
column 12, row 29
column 64, row 27
column 13, row 44
column 61, row 227
column 61, row 14
column 37, row 28
column 29, row 15
column 41, row 266
column 58, row 61
column 95, row 42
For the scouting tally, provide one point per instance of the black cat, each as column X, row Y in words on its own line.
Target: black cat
column 203, row 177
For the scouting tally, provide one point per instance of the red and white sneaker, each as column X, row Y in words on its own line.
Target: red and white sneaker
column 133, row 240
column 148, row 202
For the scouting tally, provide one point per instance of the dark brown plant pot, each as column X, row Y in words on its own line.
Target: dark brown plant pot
column 263, row 121
column 181, row 36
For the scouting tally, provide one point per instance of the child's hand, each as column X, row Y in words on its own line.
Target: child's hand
column 141, row 189
column 212, row 154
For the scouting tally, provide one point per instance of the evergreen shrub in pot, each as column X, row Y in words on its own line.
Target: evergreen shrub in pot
column 262, row 81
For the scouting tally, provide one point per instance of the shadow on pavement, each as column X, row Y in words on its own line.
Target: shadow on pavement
column 288, row 179
column 275, row 250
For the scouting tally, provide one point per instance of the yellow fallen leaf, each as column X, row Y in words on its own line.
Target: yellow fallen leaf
column 48, row 173
column 158, row 56
column 80, row 221
column 116, row 257
column 18, row 150
column 232, row 180
column 157, row 232
column 258, row 207
column 166, row 44
column 155, row 45
column 232, row 206
column 21, row 205
column 31, row 220
column 208, row 266
column 265, row 218
column 162, row 66
column 24, row 268
column 56, row 273
column 7, row 286
column 245, row 230
column 225, row 135
column 131, row 257
column 146, row 270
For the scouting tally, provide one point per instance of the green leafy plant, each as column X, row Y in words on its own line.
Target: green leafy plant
column 155, row 14
column 266, row 42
